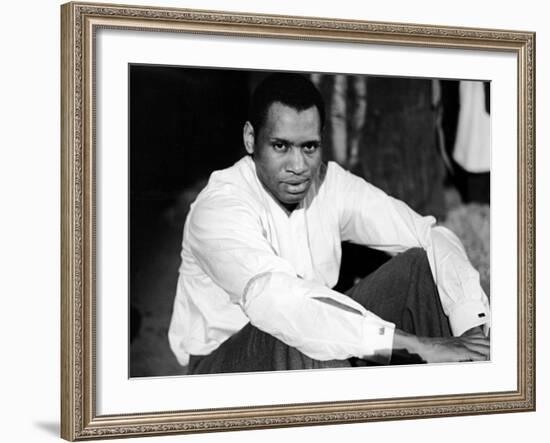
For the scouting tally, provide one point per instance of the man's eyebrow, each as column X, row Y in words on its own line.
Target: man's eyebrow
column 280, row 140
column 316, row 141
column 311, row 142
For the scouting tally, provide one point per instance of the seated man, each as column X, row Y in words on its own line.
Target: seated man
column 262, row 248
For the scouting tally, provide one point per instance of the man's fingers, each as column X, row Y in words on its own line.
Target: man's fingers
column 475, row 339
column 477, row 356
column 471, row 349
column 477, row 346
column 471, row 355
column 477, row 343
column 482, row 348
column 474, row 332
column 457, row 349
column 460, row 355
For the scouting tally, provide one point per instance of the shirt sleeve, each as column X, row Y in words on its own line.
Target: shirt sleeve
column 370, row 217
column 226, row 238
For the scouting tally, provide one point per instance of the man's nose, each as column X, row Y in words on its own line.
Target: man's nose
column 297, row 162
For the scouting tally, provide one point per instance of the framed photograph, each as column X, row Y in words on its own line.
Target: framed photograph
column 277, row 221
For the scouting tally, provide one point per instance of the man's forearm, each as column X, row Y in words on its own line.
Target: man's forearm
column 321, row 323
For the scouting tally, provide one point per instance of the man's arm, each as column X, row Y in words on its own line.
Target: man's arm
column 226, row 238
column 370, row 217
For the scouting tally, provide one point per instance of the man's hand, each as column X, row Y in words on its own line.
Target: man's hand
column 475, row 331
column 470, row 346
column 463, row 348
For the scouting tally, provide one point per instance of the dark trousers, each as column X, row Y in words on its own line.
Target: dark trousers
column 401, row 291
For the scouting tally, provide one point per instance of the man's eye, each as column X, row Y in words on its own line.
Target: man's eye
column 279, row 146
column 310, row 148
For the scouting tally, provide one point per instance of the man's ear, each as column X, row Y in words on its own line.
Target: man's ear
column 248, row 137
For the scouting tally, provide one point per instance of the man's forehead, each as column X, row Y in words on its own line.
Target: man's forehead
column 283, row 118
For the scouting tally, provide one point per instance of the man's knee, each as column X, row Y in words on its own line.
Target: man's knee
column 414, row 254
column 403, row 265
column 410, row 262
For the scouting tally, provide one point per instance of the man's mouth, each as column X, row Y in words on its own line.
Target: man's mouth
column 296, row 186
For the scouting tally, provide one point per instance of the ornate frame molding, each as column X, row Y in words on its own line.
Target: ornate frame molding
column 78, row 413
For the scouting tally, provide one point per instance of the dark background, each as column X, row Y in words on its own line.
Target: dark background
column 187, row 122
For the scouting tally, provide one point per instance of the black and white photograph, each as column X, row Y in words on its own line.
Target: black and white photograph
column 273, row 221
column 283, row 220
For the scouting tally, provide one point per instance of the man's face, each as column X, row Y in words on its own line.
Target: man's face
column 287, row 151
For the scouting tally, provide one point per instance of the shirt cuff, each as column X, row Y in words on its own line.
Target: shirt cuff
column 379, row 341
column 468, row 315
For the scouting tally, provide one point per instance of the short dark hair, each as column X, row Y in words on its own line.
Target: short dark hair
column 293, row 90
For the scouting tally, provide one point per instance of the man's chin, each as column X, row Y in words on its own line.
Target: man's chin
column 293, row 199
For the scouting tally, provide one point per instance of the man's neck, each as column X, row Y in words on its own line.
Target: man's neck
column 289, row 208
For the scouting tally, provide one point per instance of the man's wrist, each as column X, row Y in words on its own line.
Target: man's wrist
column 403, row 341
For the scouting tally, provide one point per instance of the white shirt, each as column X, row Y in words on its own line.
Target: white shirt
column 245, row 259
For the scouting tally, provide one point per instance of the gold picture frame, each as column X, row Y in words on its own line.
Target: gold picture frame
column 80, row 21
